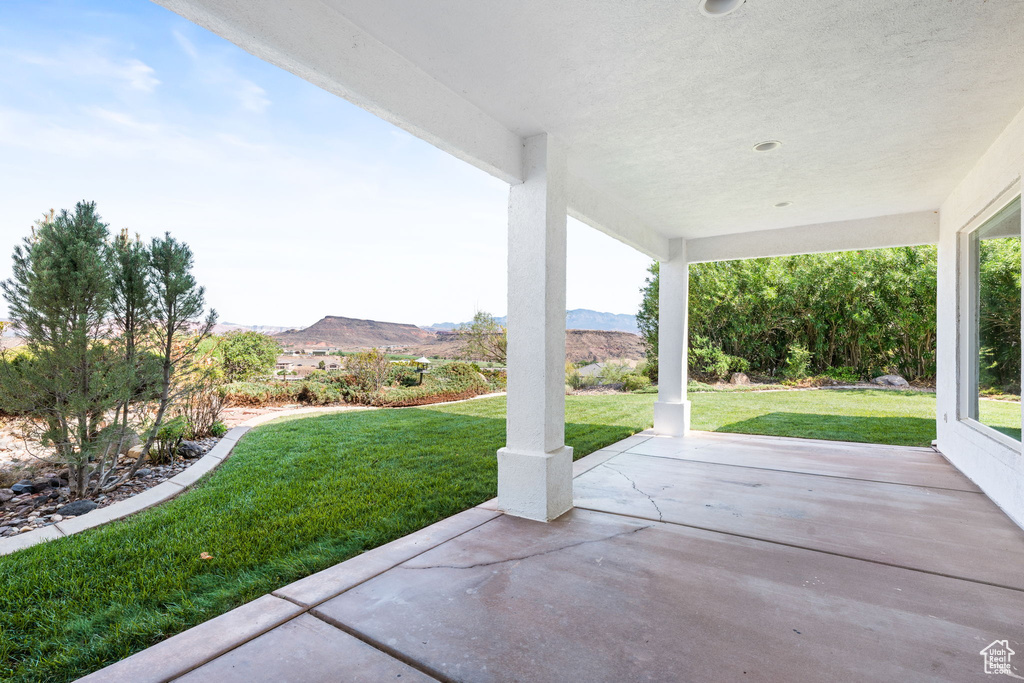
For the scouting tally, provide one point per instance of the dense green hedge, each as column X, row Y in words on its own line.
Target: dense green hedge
column 866, row 312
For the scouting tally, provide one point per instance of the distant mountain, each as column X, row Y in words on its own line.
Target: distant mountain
column 221, row 328
column 580, row 345
column 350, row 334
column 586, row 319
column 577, row 319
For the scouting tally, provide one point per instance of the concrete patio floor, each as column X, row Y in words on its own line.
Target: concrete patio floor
column 715, row 557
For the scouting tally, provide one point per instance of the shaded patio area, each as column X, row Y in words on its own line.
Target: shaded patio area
column 711, row 557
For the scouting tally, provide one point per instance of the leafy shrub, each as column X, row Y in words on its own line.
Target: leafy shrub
column 247, row 354
column 613, row 373
column 218, row 429
column 259, row 393
column 798, row 362
column 449, row 382
column 320, row 393
column 844, row 374
column 707, row 360
column 403, row 374
column 575, row 380
column 369, row 370
column 168, row 438
column 651, row 368
column 202, row 408
column 497, row 378
column 635, row 382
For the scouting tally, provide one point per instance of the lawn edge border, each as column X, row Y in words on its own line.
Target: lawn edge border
column 160, row 493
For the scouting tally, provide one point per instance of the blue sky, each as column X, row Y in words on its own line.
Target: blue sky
column 296, row 203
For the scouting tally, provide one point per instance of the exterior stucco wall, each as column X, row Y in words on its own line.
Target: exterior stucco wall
column 996, row 467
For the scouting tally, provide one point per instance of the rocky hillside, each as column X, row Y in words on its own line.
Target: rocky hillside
column 577, row 319
column 580, row 345
column 600, row 345
column 352, row 334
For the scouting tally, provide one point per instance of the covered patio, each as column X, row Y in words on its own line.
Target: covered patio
column 710, row 557
column 693, row 132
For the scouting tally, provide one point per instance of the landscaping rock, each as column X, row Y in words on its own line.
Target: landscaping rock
column 115, row 437
column 23, row 486
column 4, row 530
column 79, row 507
column 144, row 472
column 739, row 378
column 134, row 452
column 890, row 381
column 189, row 449
column 6, row 495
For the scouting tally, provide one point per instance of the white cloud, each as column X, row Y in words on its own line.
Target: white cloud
column 87, row 62
column 252, row 97
column 120, row 119
column 186, row 45
column 212, row 69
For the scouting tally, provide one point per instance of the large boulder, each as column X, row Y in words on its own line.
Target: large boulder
column 78, row 507
column 23, row 486
column 739, row 378
column 891, row 381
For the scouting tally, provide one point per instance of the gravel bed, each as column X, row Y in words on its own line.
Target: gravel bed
column 45, row 503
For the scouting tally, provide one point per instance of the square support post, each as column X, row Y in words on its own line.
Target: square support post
column 535, row 467
column 672, row 410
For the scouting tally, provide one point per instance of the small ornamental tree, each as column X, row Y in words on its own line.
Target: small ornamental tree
column 484, row 339
column 369, row 370
column 247, row 354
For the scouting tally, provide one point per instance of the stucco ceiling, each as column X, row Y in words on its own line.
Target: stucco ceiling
column 881, row 106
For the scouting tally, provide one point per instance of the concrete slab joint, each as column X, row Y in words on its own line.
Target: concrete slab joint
column 535, row 467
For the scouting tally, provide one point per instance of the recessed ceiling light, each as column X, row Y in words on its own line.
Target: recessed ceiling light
column 718, row 8
column 782, row 205
column 767, row 146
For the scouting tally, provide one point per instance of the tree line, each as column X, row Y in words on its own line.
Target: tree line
column 862, row 313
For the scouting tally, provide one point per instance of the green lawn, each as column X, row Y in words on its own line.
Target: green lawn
column 296, row 497
column 903, row 418
column 300, row 495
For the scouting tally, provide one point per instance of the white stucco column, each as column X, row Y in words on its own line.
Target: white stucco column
column 672, row 410
column 535, row 467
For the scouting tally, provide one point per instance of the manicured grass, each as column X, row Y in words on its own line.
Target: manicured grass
column 295, row 498
column 300, row 495
column 1003, row 416
column 903, row 418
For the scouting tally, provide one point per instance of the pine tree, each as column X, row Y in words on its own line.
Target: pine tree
column 60, row 296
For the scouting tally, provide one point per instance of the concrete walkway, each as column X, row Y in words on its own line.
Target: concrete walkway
column 712, row 558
